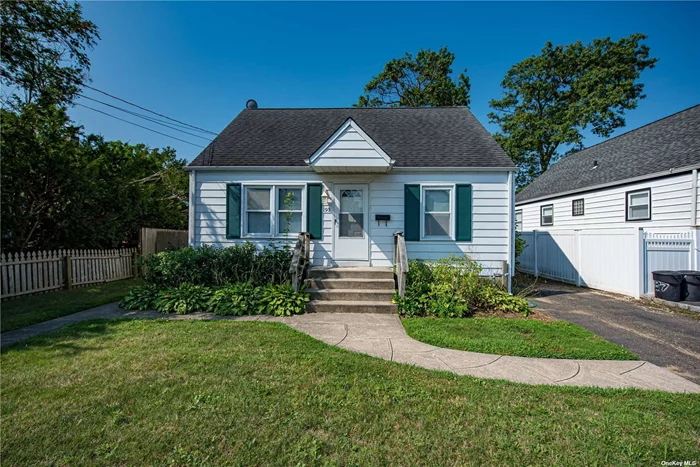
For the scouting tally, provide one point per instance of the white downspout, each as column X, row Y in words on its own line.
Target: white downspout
column 511, row 230
column 694, row 200
column 191, row 208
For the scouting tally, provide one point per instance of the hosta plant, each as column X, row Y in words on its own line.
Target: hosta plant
column 234, row 300
column 140, row 298
column 282, row 300
column 184, row 299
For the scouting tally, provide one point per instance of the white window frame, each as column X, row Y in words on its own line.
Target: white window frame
column 279, row 211
column 274, row 211
column 442, row 187
column 542, row 208
column 628, row 195
column 518, row 228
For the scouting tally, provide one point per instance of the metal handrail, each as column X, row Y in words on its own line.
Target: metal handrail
column 400, row 262
column 300, row 260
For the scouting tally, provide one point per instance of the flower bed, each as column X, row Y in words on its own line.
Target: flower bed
column 454, row 288
column 239, row 280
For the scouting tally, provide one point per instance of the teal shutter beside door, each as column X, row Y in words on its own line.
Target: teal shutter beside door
column 314, row 210
column 411, row 213
column 464, row 213
column 233, row 210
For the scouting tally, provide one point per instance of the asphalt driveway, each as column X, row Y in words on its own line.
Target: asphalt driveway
column 655, row 334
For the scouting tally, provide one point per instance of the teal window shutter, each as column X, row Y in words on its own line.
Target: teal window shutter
column 464, row 213
column 233, row 210
column 411, row 213
column 314, row 210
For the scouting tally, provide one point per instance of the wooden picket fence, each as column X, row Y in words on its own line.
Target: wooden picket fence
column 42, row 271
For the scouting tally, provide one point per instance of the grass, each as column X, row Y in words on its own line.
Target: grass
column 33, row 309
column 519, row 337
column 244, row 393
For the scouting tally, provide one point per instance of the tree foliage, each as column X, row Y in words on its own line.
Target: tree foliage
column 551, row 98
column 63, row 189
column 423, row 81
column 44, row 50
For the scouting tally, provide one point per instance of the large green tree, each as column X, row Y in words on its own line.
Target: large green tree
column 44, row 48
column 550, row 99
column 62, row 189
column 423, row 81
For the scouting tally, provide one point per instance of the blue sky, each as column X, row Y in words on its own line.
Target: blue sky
column 199, row 62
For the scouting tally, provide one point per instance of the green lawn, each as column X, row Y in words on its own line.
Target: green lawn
column 243, row 393
column 33, row 309
column 520, row 337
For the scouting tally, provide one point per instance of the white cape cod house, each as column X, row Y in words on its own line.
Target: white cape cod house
column 354, row 177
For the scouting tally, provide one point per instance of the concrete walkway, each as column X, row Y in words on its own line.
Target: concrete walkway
column 383, row 336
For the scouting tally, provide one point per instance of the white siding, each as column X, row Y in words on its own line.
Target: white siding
column 350, row 148
column 671, row 200
column 491, row 221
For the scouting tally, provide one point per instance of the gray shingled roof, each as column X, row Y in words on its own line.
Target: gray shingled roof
column 670, row 143
column 413, row 137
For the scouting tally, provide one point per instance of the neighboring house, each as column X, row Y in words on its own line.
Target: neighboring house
column 352, row 178
column 639, row 185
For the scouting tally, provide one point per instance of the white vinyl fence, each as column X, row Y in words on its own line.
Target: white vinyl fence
column 615, row 260
column 42, row 271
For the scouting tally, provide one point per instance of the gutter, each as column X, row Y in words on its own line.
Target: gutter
column 286, row 168
column 626, row 181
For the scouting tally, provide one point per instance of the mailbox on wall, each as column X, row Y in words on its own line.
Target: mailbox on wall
column 382, row 218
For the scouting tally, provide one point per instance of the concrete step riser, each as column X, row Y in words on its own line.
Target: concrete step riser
column 350, row 274
column 330, row 284
column 321, row 306
column 362, row 296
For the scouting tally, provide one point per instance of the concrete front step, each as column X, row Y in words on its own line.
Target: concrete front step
column 350, row 283
column 351, row 273
column 351, row 306
column 352, row 294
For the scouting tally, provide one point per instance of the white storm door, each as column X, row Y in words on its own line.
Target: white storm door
column 351, row 235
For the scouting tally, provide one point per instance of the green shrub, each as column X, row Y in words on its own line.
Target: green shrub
column 493, row 298
column 234, row 300
column 186, row 298
column 282, row 300
column 209, row 266
column 453, row 287
column 140, row 298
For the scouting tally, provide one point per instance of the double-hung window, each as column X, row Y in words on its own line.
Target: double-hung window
column 519, row 220
column 289, row 210
column 272, row 211
column 638, row 205
column 258, row 211
column 437, row 213
column 547, row 215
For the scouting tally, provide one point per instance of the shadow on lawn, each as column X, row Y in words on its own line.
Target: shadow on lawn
column 66, row 340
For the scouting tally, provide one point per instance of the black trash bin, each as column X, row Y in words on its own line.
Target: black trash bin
column 691, row 285
column 668, row 285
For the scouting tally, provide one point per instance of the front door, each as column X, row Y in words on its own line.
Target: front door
column 351, row 235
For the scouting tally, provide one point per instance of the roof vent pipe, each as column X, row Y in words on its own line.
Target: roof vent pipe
column 595, row 164
column 251, row 104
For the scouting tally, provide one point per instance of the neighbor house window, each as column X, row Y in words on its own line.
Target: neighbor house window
column 289, row 210
column 258, row 210
column 519, row 220
column 638, row 205
column 547, row 215
column 577, row 207
column 437, row 212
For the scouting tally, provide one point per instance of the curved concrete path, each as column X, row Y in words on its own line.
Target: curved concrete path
column 383, row 336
